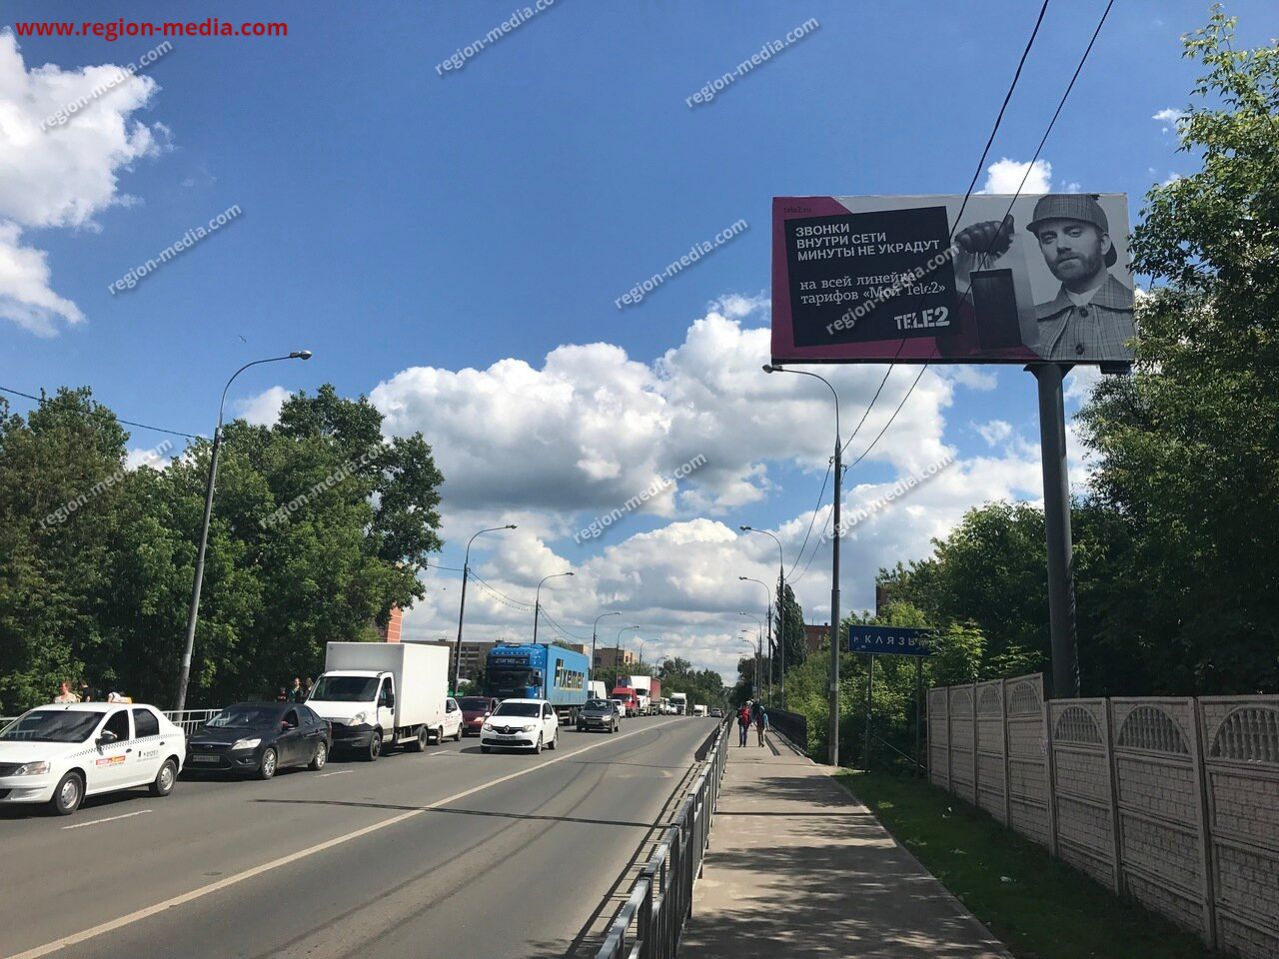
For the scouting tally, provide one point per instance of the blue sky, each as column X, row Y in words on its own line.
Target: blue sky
column 408, row 226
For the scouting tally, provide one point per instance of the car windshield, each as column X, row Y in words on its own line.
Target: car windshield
column 344, row 689
column 52, row 726
column 599, row 704
column 518, row 709
column 246, row 716
column 470, row 703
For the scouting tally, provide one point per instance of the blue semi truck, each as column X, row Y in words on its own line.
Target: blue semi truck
column 534, row 671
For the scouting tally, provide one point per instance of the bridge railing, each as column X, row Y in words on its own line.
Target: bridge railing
column 649, row 925
column 189, row 719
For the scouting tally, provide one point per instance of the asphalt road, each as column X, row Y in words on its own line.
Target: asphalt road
column 448, row 854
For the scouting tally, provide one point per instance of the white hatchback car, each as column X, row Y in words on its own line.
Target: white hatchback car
column 521, row 724
column 58, row 754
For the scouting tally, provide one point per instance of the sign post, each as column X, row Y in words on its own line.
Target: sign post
column 891, row 641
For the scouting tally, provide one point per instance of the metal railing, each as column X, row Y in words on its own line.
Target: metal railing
column 794, row 726
column 649, row 924
column 191, row 719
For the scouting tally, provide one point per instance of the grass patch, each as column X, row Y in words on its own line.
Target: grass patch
column 1037, row 906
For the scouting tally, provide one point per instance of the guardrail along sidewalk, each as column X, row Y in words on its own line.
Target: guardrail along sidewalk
column 798, row 868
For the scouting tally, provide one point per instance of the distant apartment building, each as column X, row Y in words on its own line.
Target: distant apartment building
column 611, row 657
column 390, row 633
column 815, row 635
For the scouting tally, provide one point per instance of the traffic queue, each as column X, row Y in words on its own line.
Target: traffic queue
column 371, row 697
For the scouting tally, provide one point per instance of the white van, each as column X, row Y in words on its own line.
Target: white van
column 380, row 695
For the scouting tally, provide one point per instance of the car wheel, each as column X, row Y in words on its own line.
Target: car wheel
column 164, row 779
column 375, row 748
column 486, row 749
column 66, row 798
column 555, row 740
column 419, row 744
column 457, row 736
column 269, row 760
column 321, row 757
column 537, row 747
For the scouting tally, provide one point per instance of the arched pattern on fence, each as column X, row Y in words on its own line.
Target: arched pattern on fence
column 1150, row 727
column 1024, row 700
column 1248, row 734
column 988, row 704
column 1076, row 725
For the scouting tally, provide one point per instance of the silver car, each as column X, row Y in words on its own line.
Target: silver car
column 598, row 714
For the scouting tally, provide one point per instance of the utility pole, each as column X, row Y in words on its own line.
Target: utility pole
column 461, row 609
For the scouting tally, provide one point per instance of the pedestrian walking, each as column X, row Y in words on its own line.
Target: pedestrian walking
column 306, row 688
column 743, row 723
column 65, row 695
column 295, row 691
column 761, row 722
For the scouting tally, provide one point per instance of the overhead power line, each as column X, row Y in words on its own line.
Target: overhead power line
column 142, row 426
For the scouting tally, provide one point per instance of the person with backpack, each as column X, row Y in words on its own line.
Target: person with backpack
column 761, row 721
column 743, row 723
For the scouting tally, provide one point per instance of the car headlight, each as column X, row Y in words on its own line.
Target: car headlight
column 359, row 718
column 31, row 769
column 246, row 744
column 529, row 727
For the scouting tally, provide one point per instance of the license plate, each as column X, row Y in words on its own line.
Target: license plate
column 205, row 759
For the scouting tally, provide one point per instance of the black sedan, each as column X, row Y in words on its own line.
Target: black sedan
column 258, row 738
column 598, row 714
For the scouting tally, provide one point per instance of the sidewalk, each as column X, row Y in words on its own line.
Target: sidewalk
column 797, row 869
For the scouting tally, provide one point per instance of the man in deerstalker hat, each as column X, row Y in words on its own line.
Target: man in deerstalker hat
column 1090, row 319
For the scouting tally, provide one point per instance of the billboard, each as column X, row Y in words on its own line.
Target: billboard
column 874, row 279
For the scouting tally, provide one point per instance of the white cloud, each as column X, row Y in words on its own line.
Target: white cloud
column 972, row 377
column 25, row 295
column 61, row 176
column 995, row 431
column 1079, row 383
column 154, row 457
column 263, row 409
column 1005, row 176
column 1169, row 117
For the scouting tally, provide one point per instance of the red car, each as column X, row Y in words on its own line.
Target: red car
column 475, row 709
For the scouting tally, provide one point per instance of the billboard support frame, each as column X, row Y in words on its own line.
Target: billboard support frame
column 1061, row 563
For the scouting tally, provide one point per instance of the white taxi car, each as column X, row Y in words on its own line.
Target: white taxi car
column 58, row 754
column 521, row 724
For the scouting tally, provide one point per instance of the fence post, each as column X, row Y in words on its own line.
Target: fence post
column 1051, row 775
column 1116, row 843
column 1205, row 822
column 972, row 692
column 950, row 747
column 1008, row 786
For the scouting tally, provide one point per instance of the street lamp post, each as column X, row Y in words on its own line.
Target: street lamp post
column 537, row 602
column 595, row 626
column 768, row 679
column 833, row 728
column 772, row 651
column 781, row 601
column 620, row 660
column 461, row 609
column 185, row 674
column 755, row 656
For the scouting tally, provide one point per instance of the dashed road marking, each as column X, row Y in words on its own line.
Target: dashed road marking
column 95, row 822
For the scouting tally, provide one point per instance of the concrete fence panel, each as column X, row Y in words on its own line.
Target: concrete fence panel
column 938, row 740
column 1157, row 783
column 1027, row 755
column 992, row 768
column 1240, row 737
column 962, row 756
column 1082, row 795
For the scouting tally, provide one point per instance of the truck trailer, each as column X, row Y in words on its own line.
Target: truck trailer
column 381, row 695
column 536, row 671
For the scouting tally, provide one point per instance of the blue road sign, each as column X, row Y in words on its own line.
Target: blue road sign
column 890, row 640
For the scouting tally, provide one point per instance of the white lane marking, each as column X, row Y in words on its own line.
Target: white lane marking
column 110, row 926
column 94, row 822
column 442, row 752
column 338, row 772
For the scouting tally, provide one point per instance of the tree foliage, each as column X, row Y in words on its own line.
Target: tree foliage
column 319, row 527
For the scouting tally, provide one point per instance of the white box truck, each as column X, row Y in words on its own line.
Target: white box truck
column 381, row 695
column 643, row 686
column 680, row 702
